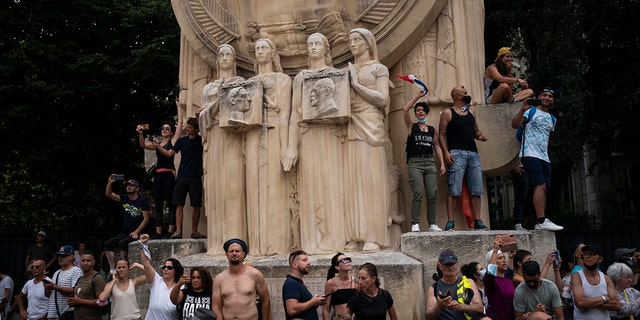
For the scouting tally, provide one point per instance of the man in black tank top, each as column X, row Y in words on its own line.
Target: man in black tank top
column 458, row 131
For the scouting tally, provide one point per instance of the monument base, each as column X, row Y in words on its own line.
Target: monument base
column 405, row 273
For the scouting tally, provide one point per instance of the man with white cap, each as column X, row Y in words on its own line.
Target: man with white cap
column 235, row 289
column 39, row 250
column 135, row 216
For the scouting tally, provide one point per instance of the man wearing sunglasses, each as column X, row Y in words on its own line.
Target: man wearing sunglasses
column 62, row 285
column 536, row 298
column 36, row 295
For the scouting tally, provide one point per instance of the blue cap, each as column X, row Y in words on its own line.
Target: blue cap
column 65, row 250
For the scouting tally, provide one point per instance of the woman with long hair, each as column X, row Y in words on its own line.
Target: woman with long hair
column 160, row 286
column 194, row 291
column 499, row 81
column 164, row 177
column 122, row 291
column 476, row 272
column 339, row 288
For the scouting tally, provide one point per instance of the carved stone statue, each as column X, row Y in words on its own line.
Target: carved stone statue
column 268, row 212
column 320, row 147
column 368, row 189
column 224, row 183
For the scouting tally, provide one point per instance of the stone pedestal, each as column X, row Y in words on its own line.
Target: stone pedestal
column 405, row 273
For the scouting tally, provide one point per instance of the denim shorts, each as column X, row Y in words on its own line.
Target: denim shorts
column 465, row 163
column 539, row 171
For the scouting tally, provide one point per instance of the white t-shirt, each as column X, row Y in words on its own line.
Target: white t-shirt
column 37, row 300
column 160, row 305
column 6, row 283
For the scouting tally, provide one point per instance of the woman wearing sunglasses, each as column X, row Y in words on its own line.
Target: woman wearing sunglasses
column 164, row 177
column 122, row 291
column 160, row 286
column 340, row 287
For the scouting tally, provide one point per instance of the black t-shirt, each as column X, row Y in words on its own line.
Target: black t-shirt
column 371, row 308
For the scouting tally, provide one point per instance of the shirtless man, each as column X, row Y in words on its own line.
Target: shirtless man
column 235, row 289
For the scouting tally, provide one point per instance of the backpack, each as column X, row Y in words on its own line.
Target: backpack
column 520, row 130
column 107, row 307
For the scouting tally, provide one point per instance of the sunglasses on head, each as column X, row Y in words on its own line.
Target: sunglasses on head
column 167, row 267
column 345, row 260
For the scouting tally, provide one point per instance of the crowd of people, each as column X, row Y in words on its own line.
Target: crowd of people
column 505, row 285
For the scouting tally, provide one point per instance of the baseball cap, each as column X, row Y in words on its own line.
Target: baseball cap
column 447, row 256
column 593, row 248
column 621, row 252
column 504, row 50
column 42, row 233
column 132, row 182
column 65, row 250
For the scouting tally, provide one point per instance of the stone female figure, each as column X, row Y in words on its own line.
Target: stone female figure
column 224, row 182
column 368, row 191
column 321, row 149
column 268, row 184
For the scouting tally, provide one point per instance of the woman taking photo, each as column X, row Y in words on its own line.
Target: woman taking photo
column 194, row 291
column 340, row 287
column 498, row 288
column 122, row 291
column 371, row 302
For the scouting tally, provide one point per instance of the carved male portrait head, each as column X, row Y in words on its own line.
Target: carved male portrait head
column 322, row 97
column 239, row 99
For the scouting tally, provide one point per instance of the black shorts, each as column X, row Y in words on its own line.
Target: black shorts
column 191, row 186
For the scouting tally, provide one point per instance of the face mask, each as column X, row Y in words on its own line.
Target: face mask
column 466, row 99
column 422, row 120
column 591, row 267
column 482, row 273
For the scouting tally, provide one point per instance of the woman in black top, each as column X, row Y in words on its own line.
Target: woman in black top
column 371, row 302
column 340, row 287
column 422, row 142
column 164, row 178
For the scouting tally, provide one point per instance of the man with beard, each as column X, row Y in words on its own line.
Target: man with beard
column 299, row 303
column 235, row 289
column 458, row 132
column 135, row 216
column 87, row 290
column 593, row 291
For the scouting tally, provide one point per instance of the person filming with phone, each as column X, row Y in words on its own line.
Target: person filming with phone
column 537, row 125
column 135, row 216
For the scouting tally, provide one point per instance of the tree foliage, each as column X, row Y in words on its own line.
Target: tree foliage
column 76, row 77
column 586, row 51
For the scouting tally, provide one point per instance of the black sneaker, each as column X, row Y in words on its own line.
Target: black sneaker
column 479, row 225
column 156, row 236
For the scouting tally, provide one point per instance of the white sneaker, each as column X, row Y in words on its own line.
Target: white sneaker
column 415, row 228
column 519, row 227
column 434, row 228
column 548, row 225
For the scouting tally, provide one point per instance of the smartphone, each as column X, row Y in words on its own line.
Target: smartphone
column 508, row 243
column 118, row 177
column 534, row 102
column 45, row 281
column 442, row 296
column 556, row 262
column 328, row 294
column 145, row 126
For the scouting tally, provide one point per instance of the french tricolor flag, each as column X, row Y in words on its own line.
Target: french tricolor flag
column 412, row 79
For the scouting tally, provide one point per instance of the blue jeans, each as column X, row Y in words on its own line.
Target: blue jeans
column 423, row 174
column 465, row 163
